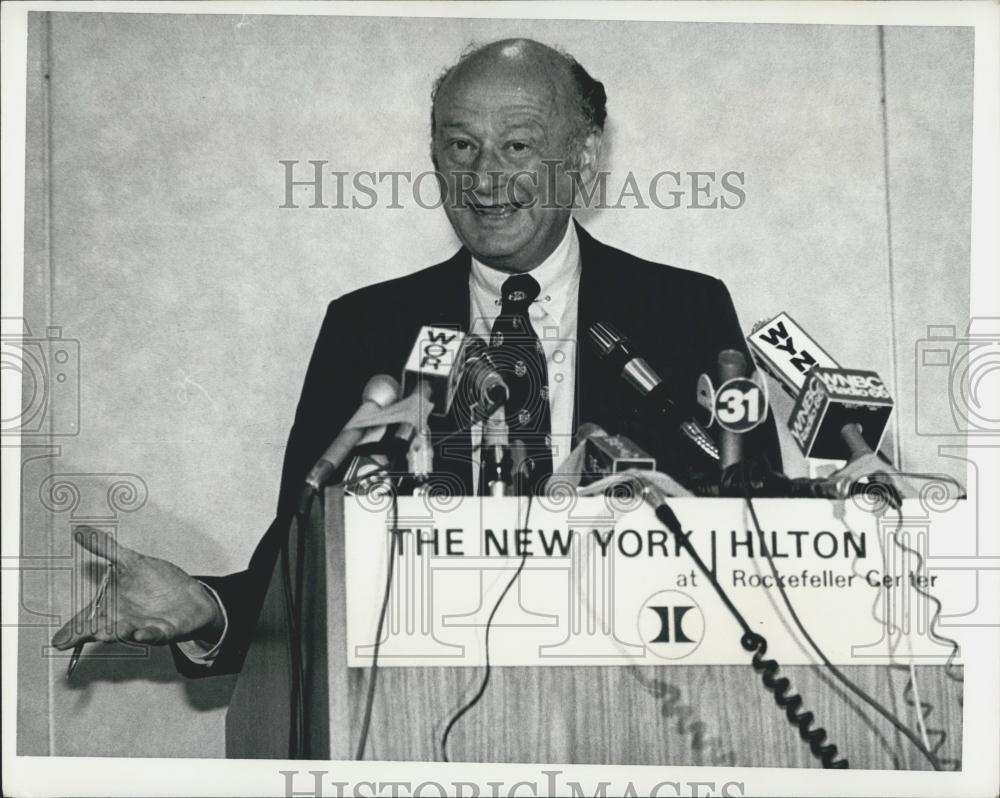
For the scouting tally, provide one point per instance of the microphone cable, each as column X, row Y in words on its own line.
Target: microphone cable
column 911, row 693
column 757, row 645
column 848, row 683
column 489, row 623
column 373, row 669
column 292, row 593
column 291, row 640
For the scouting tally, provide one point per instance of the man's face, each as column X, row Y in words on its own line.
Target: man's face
column 496, row 121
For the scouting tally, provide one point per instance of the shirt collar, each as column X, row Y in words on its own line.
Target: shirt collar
column 558, row 276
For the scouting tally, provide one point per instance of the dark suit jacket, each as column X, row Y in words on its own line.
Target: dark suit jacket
column 680, row 320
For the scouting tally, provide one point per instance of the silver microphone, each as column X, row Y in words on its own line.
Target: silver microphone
column 380, row 391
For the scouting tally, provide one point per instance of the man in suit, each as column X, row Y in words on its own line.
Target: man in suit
column 517, row 129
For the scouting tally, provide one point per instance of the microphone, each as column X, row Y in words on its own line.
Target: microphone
column 520, row 468
column 480, row 384
column 606, row 454
column 782, row 349
column 419, row 462
column 443, row 364
column 840, row 414
column 732, row 366
column 380, row 391
column 433, row 362
column 407, row 446
column 368, row 459
column 616, row 350
column 612, row 454
column 738, row 406
column 430, row 378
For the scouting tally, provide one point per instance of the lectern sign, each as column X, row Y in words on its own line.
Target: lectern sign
column 604, row 584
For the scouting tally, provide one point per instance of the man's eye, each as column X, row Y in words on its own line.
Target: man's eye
column 461, row 145
column 518, row 146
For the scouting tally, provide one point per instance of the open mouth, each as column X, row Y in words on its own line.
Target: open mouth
column 501, row 210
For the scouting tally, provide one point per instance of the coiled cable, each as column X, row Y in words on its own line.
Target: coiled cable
column 767, row 668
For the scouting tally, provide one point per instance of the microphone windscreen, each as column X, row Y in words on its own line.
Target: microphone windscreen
column 732, row 364
column 381, row 389
column 481, row 387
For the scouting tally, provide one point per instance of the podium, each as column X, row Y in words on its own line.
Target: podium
column 636, row 714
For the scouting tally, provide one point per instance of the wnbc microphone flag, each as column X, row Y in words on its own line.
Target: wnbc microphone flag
column 833, row 399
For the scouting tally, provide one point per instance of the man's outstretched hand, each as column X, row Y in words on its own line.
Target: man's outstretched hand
column 148, row 600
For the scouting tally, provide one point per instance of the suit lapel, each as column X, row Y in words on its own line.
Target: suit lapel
column 447, row 300
column 447, row 304
column 599, row 394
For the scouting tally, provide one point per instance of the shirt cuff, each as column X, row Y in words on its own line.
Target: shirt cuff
column 198, row 652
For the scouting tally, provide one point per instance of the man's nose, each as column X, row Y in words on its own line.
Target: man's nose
column 490, row 171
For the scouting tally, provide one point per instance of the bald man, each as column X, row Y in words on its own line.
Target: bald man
column 517, row 129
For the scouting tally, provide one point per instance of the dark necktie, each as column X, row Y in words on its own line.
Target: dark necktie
column 519, row 357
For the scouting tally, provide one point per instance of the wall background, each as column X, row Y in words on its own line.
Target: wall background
column 155, row 239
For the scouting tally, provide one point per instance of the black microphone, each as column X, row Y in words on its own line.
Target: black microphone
column 520, row 468
column 369, row 463
column 380, row 391
column 616, row 350
column 738, row 476
column 481, row 386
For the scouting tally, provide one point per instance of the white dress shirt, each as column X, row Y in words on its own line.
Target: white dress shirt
column 202, row 653
column 554, row 317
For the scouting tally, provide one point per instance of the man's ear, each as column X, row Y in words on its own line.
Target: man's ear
column 588, row 156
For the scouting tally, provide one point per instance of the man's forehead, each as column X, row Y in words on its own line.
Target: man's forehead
column 513, row 109
column 507, row 94
column 511, row 82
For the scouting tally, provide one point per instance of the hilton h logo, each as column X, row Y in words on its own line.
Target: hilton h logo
column 671, row 624
column 664, row 614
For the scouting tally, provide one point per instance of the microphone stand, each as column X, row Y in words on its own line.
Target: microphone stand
column 495, row 464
